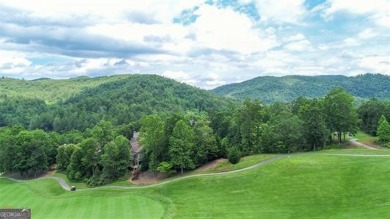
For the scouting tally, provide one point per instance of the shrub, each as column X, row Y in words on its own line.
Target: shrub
column 165, row 167
column 234, row 155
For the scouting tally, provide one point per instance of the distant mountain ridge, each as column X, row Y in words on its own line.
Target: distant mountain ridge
column 270, row 89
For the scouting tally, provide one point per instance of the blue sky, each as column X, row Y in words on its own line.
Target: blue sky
column 202, row 43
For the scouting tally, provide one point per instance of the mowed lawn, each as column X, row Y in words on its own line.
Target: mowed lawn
column 307, row 185
column 48, row 200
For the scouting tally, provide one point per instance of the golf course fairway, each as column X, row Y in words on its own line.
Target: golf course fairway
column 326, row 184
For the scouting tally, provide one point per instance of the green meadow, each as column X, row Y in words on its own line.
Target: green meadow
column 304, row 185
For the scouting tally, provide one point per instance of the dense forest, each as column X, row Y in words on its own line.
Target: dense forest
column 270, row 89
column 87, row 135
column 121, row 100
column 51, row 90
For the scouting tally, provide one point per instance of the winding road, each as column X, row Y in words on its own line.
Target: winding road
column 65, row 185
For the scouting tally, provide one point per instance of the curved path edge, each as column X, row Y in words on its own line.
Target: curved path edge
column 65, row 185
column 355, row 142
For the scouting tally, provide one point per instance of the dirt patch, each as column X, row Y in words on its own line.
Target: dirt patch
column 371, row 144
column 210, row 166
column 356, row 143
column 148, row 178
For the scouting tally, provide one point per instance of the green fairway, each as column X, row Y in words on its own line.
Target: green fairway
column 306, row 185
column 48, row 200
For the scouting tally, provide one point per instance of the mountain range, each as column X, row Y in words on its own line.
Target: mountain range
column 270, row 89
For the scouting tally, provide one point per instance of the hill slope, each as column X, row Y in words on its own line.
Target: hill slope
column 51, row 90
column 120, row 99
column 287, row 88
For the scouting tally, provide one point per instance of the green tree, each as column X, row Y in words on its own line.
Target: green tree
column 91, row 155
column 287, row 132
column 206, row 145
column 75, row 169
column 234, row 155
column 370, row 112
column 116, row 158
column 181, row 147
column 340, row 115
column 165, row 167
column 7, row 150
column 30, row 152
column 103, row 133
column 384, row 129
column 313, row 127
column 64, row 153
column 153, row 138
column 249, row 119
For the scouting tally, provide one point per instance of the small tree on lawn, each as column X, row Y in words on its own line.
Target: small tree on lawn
column 383, row 129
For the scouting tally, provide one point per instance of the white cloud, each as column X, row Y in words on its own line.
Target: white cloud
column 299, row 46
column 350, row 41
column 281, row 11
column 226, row 29
column 107, row 11
column 180, row 76
column 361, row 37
column 376, row 64
column 367, row 33
column 296, row 37
column 382, row 19
column 8, row 62
column 357, row 6
column 378, row 10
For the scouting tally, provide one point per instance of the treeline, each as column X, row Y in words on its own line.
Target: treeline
column 370, row 112
column 95, row 156
column 186, row 141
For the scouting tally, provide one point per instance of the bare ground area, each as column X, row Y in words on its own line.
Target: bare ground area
column 371, row 146
column 210, row 165
column 148, row 178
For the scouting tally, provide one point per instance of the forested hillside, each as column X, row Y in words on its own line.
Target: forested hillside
column 51, row 90
column 287, row 88
column 118, row 99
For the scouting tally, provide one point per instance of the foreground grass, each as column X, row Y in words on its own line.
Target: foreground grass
column 307, row 185
column 48, row 200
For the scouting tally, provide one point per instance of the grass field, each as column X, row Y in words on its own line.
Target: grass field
column 307, row 185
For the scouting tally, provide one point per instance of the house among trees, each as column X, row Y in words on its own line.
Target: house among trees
column 136, row 154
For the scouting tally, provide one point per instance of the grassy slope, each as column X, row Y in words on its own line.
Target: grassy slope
column 309, row 185
column 304, row 186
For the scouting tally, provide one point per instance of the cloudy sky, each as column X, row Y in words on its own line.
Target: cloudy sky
column 203, row 43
